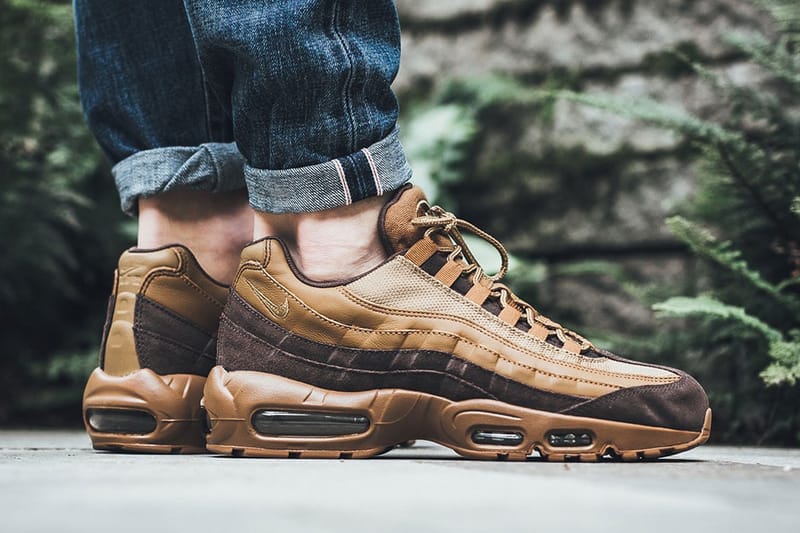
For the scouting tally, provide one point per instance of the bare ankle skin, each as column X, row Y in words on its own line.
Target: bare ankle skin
column 214, row 226
column 332, row 244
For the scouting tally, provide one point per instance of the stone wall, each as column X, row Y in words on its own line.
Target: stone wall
column 584, row 184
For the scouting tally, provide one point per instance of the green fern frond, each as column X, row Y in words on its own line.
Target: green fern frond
column 785, row 367
column 663, row 115
column 683, row 306
column 777, row 374
column 702, row 242
column 785, row 354
column 775, row 59
column 484, row 91
column 786, row 14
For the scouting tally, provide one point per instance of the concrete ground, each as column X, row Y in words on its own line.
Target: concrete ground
column 52, row 481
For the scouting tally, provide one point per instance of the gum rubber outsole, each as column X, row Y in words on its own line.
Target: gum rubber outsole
column 232, row 398
column 173, row 400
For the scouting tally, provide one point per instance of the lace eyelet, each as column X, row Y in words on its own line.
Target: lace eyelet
column 436, row 219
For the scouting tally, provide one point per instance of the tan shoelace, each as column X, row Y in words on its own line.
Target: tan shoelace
column 436, row 219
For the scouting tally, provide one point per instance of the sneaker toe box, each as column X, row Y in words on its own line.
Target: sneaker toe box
column 680, row 405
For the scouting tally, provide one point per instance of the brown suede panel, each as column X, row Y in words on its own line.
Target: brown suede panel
column 250, row 341
column 168, row 343
column 680, row 405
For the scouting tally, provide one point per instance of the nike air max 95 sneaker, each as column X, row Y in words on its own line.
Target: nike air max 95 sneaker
column 427, row 346
column 159, row 343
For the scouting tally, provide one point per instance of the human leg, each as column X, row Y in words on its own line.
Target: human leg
column 315, row 119
column 166, row 127
column 214, row 226
column 168, row 133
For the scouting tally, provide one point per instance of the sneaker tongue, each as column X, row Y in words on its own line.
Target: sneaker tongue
column 395, row 226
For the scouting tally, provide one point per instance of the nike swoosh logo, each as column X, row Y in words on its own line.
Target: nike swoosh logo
column 280, row 311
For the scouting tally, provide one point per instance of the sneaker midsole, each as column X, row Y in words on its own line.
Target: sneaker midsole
column 256, row 410
column 143, row 409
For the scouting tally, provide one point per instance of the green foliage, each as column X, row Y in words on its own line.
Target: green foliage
column 706, row 305
column 744, row 224
column 724, row 256
column 439, row 134
column 656, row 113
column 785, row 354
column 785, row 366
column 749, row 187
column 58, row 214
column 435, row 141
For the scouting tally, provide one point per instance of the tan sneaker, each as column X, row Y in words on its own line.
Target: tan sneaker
column 427, row 346
column 159, row 343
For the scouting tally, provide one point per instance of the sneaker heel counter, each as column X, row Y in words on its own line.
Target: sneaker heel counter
column 119, row 356
column 182, row 286
column 254, row 259
column 107, row 323
column 177, row 313
column 134, row 270
column 255, row 255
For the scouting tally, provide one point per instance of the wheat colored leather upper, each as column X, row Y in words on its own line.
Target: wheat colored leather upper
column 172, row 278
column 399, row 306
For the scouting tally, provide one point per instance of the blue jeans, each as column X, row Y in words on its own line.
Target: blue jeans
column 290, row 98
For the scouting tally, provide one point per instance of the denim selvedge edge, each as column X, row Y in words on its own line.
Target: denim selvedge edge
column 212, row 167
column 378, row 169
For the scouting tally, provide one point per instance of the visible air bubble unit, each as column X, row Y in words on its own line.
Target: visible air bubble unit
column 120, row 421
column 497, row 438
column 308, row 424
column 564, row 439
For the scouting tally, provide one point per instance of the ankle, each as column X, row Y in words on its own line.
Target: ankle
column 332, row 244
column 214, row 226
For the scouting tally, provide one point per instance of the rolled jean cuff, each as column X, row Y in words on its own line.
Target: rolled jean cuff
column 211, row 167
column 372, row 171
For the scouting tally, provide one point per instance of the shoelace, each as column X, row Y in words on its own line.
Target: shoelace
column 434, row 219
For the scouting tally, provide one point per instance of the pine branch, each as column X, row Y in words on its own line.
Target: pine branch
column 655, row 113
column 705, row 245
column 753, row 191
column 775, row 59
column 682, row 306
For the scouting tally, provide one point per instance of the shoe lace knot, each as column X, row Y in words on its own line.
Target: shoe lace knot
column 435, row 219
